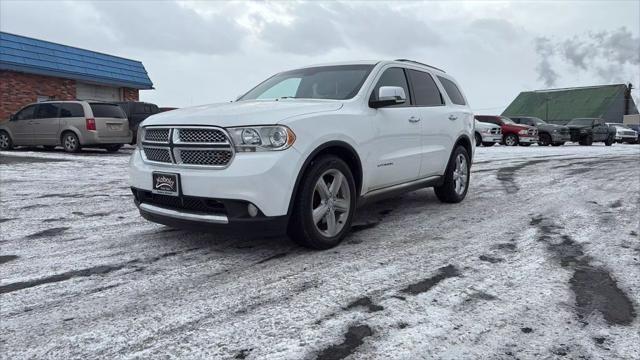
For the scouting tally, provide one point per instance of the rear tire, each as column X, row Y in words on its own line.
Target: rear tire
column 544, row 140
column 323, row 210
column 113, row 148
column 70, row 142
column 5, row 141
column 511, row 140
column 456, row 179
column 610, row 140
column 587, row 140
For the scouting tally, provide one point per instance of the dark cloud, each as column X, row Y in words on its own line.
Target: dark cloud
column 318, row 28
column 312, row 31
column 545, row 49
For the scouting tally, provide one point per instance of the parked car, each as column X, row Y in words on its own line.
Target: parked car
column 70, row 124
column 512, row 134
column 624, row 134
column 487, row 134
column 302, row 149
column 136, row 112
column 548, row 134
column 586, row 131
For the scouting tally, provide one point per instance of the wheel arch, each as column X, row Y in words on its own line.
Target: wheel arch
column 466, row 143
column 338, row 148
column 71, row 130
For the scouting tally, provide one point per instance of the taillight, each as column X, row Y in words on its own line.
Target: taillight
column 91, row 124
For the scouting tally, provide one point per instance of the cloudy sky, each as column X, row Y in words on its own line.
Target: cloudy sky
column 203, row 52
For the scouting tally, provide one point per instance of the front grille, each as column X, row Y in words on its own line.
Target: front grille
column 188, row 146
column 190, row 203
column 156, row 135
column 157, row 154
column 496, row 131
column 211, row 136
column 533, row 132
column 205, row 157
column 564, row 131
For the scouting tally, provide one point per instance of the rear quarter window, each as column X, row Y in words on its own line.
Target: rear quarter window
column 425, row 90
column 71, row 110
column 107, row 111
column 452, row 90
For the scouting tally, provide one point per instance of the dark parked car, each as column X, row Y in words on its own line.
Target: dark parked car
column 548, row 134
column 588, row 130
column 136, row 112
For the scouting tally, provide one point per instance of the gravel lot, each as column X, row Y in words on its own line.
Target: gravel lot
column 542, row 260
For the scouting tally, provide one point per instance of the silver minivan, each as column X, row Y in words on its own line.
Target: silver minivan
column 70, row 124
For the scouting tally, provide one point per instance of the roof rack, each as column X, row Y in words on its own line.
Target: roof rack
column 419, row 63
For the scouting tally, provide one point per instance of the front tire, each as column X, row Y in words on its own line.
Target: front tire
column 5, row 141
column 511, row 140
column 70, row 142
column 324, row 205
column 113, row 148
column 587, row 140
column 478, row 139
column 544, row 140
column 456, row 179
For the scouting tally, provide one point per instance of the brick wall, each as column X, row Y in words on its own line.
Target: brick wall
column 129, row 94
column 19, row 89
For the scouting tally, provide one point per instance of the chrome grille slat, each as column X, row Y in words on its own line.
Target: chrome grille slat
column 188, row 146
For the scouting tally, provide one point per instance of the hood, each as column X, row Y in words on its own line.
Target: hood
column 554, row 126
column 578, row 126
column 241, row 113
column 484, row 125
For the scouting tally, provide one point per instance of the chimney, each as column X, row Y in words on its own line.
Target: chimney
column 627, row 98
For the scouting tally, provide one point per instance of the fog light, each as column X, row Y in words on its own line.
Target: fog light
column 253, row 210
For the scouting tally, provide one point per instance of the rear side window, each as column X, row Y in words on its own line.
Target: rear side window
column 26, row 113
column 425, row 90
column 107, row 111
column 71, row 110
column 46, row 111
column 452, row 90
column 392, row 77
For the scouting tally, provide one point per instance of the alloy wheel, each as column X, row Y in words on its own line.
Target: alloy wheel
column 331, row 203
column 460, row 174
column 510, row 140
column 4, row 141
column 70, row 143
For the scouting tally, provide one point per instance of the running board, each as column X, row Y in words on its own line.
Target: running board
column 395, row 190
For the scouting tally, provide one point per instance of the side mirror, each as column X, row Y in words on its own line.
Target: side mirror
column 12, row 117
column 389, row 95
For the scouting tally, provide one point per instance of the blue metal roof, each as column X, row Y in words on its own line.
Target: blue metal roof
column 21, row 53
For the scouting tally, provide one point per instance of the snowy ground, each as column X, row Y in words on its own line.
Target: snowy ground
column 542, row 260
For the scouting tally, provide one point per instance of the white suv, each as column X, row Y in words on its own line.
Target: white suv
column 300, row 151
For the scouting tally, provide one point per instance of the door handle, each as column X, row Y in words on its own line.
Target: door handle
column 453, row 117
column 414, row 119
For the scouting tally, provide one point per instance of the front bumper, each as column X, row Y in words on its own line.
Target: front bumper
column 265, row 179
column 495, row 138
column 557, row 137
column 626, row 138
column 528, row 139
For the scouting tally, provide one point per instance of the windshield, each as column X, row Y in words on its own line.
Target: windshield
column 323, row 82
column 506, row 120
column 537, row 121
column 624, row 127
column 581, row 122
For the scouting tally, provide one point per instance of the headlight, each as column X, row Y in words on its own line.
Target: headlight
column 555, row 131
column 523, row 132
column 262, row 138
column 139, row 136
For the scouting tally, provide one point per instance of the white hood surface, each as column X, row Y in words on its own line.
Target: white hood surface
column 242, row 113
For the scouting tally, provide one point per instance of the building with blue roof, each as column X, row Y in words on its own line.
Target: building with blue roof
column 36, row 70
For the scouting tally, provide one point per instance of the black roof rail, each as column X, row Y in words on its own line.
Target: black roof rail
column 419, row 63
